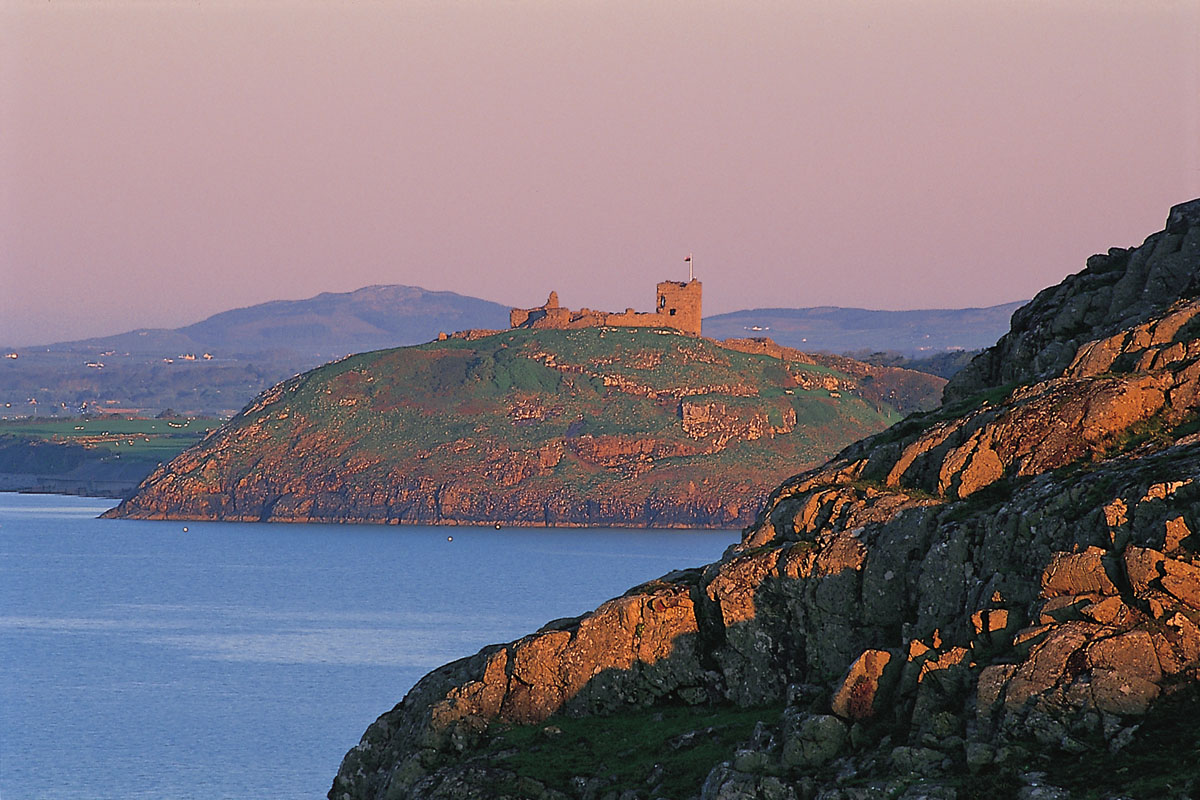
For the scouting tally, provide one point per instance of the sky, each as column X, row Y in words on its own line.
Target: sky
column 164, row 161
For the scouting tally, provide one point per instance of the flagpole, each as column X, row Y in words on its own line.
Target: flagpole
column 691, row 266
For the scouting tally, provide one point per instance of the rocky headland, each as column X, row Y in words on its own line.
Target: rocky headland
column 600, row 426
column 998, row 598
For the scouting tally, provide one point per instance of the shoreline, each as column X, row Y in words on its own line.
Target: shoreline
column 33, row 483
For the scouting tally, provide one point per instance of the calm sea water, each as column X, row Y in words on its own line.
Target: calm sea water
column 244, row 660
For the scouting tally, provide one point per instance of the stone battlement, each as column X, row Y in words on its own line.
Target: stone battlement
column 677, row 306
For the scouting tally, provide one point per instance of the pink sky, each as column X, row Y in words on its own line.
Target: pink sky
column 162, row 161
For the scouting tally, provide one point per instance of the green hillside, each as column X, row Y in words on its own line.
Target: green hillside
column 595, row 426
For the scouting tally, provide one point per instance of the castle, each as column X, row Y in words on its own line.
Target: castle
column 677, row 306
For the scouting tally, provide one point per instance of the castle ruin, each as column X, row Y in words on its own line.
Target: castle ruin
column 677, row 306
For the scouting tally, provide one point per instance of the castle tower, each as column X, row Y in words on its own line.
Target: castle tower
column 680, row 303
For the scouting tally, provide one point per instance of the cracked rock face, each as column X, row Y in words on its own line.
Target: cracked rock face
column 1117, row 291
column 980, row 590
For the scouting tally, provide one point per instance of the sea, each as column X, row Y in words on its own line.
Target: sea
column 242, row 660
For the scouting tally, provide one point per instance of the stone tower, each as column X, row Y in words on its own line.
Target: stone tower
column 680, row 301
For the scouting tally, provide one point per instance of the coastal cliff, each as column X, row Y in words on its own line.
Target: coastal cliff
column 599, row 426
column 998, row 598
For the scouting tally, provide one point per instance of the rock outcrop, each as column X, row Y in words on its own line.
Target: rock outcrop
column 597, row 426
column 1117, row 290
column 969, row 604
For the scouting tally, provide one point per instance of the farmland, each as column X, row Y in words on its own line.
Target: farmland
column 105, row 456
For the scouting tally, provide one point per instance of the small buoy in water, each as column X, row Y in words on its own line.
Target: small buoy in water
column 449, row 538
column 185, row 528
column 497, row 526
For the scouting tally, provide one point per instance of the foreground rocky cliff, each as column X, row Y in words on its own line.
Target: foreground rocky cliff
column 1000, row 598
column 585, row 427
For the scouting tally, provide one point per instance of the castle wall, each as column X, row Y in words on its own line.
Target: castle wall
column 527, row 317
column 519, row 316
column 762, row 345
column 633, row 319
column 678, row 307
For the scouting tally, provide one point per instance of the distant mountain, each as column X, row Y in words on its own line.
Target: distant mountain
column 329, row 325
column 216, row 366
column 830, row 329
column 375, row 317
column 146, row 370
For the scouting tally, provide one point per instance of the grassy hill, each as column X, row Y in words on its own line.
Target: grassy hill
column 597, row 426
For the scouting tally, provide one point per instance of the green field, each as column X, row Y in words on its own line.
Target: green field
column 156, row 439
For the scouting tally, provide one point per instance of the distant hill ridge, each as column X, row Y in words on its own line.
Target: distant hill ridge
column 146, row 370
column 832, row 329
column 380, row 316
column 254, row 347
column 329, row 324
